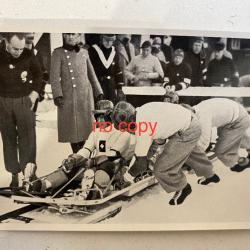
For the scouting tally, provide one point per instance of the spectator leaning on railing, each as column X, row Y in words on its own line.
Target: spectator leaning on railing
column 144, row 68
column 177, row 74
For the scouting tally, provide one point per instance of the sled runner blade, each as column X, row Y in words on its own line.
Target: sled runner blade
column 15, row 214
column 104, row 213
column 128, row 191
column 140, row 186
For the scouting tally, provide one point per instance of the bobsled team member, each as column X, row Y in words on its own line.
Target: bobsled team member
column 231, row 121
column 103, row 142
column 182, row 135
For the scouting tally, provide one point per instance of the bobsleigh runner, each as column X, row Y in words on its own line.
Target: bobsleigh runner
column 93, row 202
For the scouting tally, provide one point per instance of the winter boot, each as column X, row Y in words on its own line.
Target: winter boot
column 243, row 163
column 38, row 186
column 181, row 195
column 204, row 181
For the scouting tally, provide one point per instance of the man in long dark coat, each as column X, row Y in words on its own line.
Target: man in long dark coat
column 74, row 86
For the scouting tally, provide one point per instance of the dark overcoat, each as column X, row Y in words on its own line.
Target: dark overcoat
column 72, row 76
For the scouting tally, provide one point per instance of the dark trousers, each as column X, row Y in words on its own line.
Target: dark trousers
column 108, row 88
column 17, row 126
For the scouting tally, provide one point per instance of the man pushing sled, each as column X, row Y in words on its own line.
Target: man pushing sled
column 231, row 121
column 181, row 129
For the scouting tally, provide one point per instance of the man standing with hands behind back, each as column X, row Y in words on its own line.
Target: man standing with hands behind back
column 20, row 85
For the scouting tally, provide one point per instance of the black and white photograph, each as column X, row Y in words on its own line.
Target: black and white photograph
column 124, row 131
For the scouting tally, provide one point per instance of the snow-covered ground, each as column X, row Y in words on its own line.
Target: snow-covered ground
column 225, row 202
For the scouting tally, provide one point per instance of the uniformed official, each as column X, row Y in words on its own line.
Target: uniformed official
column 221, row 70
column 20, row 85
column 105, row 61
column 74, row 85
column 177, row 74
column 144, row 68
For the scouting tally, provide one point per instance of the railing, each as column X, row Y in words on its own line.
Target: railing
column 191, row 91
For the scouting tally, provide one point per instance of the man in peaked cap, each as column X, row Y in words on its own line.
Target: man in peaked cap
column 221, row 70
column 75, row 87
column 144, row 68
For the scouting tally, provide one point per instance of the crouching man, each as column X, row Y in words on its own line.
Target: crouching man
column 182, row 129
column 231, row 121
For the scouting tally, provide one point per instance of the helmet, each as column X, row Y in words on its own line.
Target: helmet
column 171, row 96
column 104, row 108
column 123, row 112
column 103, row 105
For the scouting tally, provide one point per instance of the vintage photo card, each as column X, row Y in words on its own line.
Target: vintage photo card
column 111, row 131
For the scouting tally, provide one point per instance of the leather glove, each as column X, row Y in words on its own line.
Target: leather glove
column 58, row 101
column 140, row 166
column 170, row 95
column 73, row 160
